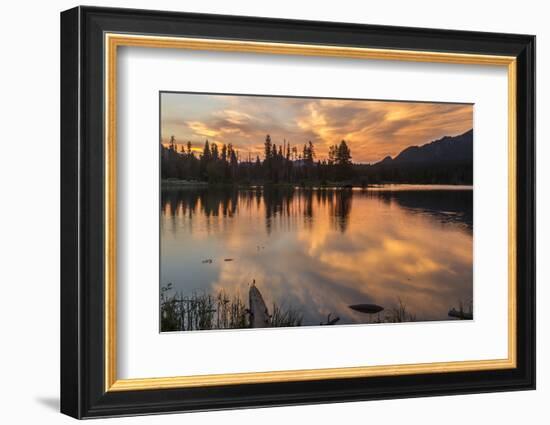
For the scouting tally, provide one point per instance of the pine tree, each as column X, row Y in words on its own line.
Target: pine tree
column 172, row 143
column 344, row 154
column 311, row 151
column 206, row 152
column 332, row 154
column 214, row 152
column 267, row 147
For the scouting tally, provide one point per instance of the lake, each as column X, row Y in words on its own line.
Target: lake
column 318, row 251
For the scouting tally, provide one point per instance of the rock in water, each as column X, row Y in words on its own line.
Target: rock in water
column 367, row 308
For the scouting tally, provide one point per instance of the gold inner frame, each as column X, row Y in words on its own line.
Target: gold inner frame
column 113, row 41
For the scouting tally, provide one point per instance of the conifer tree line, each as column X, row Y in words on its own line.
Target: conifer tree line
column 291, row 164
column 281, row 163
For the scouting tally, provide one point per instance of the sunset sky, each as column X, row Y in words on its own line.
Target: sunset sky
column 373, row 129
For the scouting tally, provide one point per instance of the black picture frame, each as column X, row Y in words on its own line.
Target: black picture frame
column 83, row 392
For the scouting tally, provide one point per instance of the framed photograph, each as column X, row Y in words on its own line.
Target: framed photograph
column 261, row 212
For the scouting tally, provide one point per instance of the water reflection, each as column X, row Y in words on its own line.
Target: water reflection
column 320, row 250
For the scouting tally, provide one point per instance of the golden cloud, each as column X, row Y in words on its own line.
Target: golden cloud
column 373, row 129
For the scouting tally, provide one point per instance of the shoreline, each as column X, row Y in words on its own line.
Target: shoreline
column 314, row 185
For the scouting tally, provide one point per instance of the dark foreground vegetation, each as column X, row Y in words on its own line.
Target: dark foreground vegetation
column 221, row 311
column 201, row 311
column 445, row 161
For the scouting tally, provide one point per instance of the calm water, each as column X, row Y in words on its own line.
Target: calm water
column 319, row 251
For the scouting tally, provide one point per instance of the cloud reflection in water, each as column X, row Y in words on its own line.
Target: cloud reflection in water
column 320, row 250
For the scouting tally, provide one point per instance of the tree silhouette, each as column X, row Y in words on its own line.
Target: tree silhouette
column 285, row 163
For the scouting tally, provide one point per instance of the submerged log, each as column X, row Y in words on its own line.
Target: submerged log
column 259, row 315
column 367, row 308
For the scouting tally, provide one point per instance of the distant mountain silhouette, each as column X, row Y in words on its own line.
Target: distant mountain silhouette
column 446, row 160
column 446, row 149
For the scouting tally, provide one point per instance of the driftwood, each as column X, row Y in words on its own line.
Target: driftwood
column 331, row 321
column 259, row 315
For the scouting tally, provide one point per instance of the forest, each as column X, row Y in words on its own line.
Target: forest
column 286, row 164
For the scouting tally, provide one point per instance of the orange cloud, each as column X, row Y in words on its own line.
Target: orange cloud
column 373, row 129
column 202, row 129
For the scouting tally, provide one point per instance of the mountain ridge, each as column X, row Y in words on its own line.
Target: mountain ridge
column 446, row 149
column 448, row 160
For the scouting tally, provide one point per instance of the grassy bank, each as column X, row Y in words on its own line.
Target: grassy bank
column 202, row 311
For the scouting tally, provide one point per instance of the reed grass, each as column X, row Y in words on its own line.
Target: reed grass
column 203, row 311
column 397, row 314
column 285, row 317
